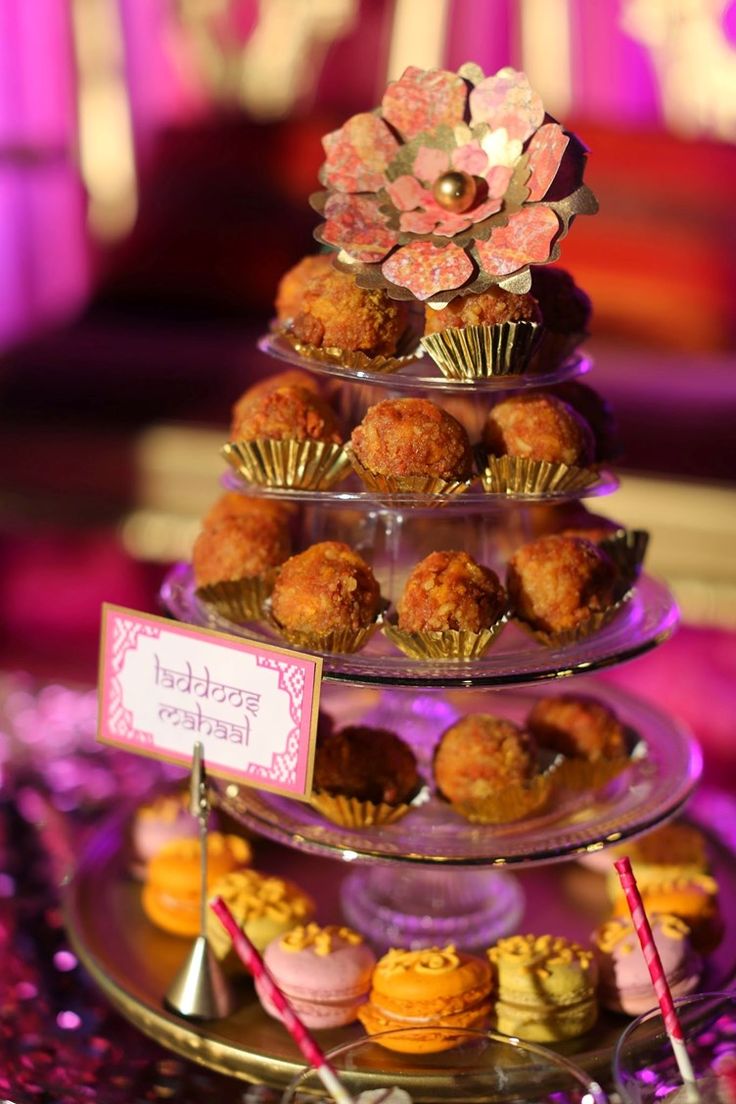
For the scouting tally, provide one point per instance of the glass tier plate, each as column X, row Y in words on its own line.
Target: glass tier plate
column 646, row 619
column 422, row 374
column 665, row 766
column 134, row 963
column 351, row 492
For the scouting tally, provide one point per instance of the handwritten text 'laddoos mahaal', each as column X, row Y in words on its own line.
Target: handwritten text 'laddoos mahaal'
column 203, row 687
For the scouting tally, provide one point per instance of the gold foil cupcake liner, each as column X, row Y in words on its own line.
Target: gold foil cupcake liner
column 627, row 549
column 520, row 475
column 449, row 644
column 406, row 484
column 351, row 812
column 338, row 642
column 238, row 599
column 406, row 353
column 470, row 353
column 597, row 620
column 581, row 774
column 516, row 801
column 306, row 465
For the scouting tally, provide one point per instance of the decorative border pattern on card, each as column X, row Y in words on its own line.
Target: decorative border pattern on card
column 165, row 686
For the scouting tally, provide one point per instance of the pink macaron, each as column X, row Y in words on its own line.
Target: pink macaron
column 324, row 972
column 624, row 981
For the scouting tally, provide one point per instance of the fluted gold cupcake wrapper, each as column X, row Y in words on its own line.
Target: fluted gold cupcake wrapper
column 479, row 352
column 238, row 599
column 453, row 644
column 307, row 465
column 513, row 802
column 596, row 621
column 580, row 774
column 627, row 549
column 350, row 812
column 406, row 484
column 356, row 361
column 520, row 475
column 340, row 642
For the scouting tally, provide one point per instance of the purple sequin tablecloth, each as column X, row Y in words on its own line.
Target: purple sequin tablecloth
column 60, row 1042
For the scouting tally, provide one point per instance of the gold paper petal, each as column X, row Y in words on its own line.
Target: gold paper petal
column 513, row 802
column 479, row 352
column 520, row 475
column 357, row 361
column 406, row 484
column 452, row 644
column 338, row 642
column 627, row 549
column 308, row 465
column 350, row 812
column 238, row 599
column 581, row 774
column 596, row 621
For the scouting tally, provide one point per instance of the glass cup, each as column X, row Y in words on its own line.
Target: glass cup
column 479, row 1066
column 644, row 1066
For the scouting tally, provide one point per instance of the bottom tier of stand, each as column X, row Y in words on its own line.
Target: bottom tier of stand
column 134, row 962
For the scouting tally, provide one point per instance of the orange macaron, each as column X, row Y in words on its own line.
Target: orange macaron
column 172, row 893
column 439, row 987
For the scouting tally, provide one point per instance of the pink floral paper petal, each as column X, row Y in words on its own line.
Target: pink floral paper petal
column 434, row 220
column 430, row 163
column 507, row 100
column 526, row 239
column 498, row 179
column 355, row 223
column 424, row 99
column 470, row 159
column 545, row 151
column 483, row 210
column 426, row 269
column 358, row 154
column 406, row 193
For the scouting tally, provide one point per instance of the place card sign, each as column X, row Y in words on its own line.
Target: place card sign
column 165, row 686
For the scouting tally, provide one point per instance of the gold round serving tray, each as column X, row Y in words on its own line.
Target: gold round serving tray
column 133, row 962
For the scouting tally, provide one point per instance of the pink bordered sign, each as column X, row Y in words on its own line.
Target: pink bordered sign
column 164, row 686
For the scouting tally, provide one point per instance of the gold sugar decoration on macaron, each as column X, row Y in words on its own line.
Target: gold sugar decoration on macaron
column 322, row 939
column 468, row 353
column 428, row 960
column 519, row 475
column 536, row 951
column 307, row 465
column 253, row 894
column 620, row 932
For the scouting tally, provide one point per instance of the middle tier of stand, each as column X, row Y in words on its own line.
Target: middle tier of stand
column 646, row 619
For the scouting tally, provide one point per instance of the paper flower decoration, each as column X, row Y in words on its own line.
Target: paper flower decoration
column 458, row 181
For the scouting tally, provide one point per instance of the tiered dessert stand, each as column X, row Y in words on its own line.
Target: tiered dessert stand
column 432, row 877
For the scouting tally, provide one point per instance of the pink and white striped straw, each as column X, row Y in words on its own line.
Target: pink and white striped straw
column 253, row 962
column 656, row 971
